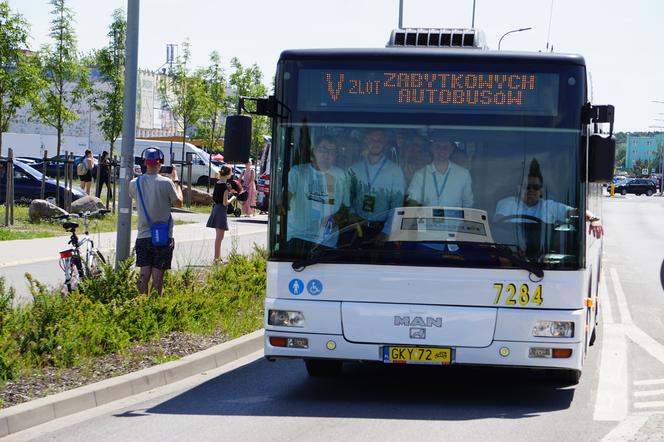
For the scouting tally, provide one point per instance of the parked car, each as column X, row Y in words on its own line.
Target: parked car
column 636, row 186
column 27, row 184
column 57, row 162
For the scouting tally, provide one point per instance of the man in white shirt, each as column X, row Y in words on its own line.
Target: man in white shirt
column 443, row 182
column 316, row 192
column 530, row 207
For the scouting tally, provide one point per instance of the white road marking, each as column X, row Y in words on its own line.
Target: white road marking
column 611, row 402
column 649, row 382
column 648, row 393
column 651, row 404
column 612, row 392
column 646, row 342
column 625, row 315
column 627, row 429
column 605, row 307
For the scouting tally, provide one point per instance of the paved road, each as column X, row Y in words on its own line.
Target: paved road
column 193, row 247
column 620, row 396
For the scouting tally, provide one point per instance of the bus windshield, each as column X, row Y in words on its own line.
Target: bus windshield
column 468, row 166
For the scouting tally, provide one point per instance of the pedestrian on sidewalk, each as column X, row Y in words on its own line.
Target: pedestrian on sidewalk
column 104, row 175
column 155, row 193
column 84, row 171
column 218, row 217
column 248, row 178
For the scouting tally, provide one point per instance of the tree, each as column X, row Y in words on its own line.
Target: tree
column 19, row 79
column 216, row 104
column 248, row 82
column 67, row 79
column 108, row 99
column 184, row 93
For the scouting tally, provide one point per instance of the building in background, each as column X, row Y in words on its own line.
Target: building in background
column 153, row 119
column 642, row 148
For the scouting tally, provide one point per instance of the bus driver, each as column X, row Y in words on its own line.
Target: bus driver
column 532, row 204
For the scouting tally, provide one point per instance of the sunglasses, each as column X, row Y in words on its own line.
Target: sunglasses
column 534, row 186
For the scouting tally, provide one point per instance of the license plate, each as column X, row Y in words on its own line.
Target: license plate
column 417, row 355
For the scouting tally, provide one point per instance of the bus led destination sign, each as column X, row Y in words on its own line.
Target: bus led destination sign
column 524, row 93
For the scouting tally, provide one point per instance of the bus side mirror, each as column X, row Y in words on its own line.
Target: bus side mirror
column 237, row 139
column 601, row 158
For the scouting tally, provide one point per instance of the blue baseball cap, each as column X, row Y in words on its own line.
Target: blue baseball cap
column 152, row 155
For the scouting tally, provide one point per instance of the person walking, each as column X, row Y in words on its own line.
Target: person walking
column 104, row 176
column 84, row 171
column 218, row 217
column 155, row 193
column 248, row 179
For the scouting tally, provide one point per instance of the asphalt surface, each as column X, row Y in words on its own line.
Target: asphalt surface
column 620, row 396
column 194, row 246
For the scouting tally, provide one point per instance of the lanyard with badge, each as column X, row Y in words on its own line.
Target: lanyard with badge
column 441, row 189
column 369, row 201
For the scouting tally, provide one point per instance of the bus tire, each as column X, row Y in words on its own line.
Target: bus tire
column 323, row 367
column 623, row 192
column 593, row 336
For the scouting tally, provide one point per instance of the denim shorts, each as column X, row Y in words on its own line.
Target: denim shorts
column 148, row 255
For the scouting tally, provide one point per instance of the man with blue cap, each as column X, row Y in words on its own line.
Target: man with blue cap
column 154, row 193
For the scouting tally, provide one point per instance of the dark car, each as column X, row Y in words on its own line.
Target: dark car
column 52, row 166
column 636, row 186
column 27, row 184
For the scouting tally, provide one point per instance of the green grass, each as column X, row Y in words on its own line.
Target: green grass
column 23, row 228
column 107, row 314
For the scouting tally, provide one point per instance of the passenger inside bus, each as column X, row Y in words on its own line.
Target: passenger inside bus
column 376, row 185
column 413, row 152
column 443, row 182
column 316, row 191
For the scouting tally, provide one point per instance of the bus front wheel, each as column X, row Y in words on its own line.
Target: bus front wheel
column 323, row 367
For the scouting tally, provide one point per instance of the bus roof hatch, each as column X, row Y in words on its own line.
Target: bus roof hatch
column 437, row 38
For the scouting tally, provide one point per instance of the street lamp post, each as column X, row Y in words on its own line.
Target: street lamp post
column 511, row 32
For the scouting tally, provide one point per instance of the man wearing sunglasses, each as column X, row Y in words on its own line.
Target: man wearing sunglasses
column 529, row 206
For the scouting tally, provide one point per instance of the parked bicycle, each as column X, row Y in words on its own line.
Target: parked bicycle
column 82, row 260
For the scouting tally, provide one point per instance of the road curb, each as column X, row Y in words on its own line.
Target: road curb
column 29, row 414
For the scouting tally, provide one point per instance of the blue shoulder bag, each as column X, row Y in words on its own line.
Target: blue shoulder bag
column 158, row 231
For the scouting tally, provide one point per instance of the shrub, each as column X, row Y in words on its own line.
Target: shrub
column 107, row 314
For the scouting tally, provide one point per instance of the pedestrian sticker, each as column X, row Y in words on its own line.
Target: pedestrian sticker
column 314, row 287
column 296, row 286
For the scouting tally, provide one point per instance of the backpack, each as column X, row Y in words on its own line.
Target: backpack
column 81, row 168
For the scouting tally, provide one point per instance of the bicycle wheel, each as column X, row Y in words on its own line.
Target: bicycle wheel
column 96, row 264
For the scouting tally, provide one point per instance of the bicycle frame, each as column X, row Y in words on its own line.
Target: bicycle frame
column 70, row 259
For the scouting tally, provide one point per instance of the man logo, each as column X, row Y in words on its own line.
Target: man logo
column 418, row 333
column 418, row 321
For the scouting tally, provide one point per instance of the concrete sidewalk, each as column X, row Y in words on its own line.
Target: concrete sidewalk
column 39, row 411
column 193, row 247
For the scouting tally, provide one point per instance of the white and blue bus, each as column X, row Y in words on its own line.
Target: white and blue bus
column 396, row 254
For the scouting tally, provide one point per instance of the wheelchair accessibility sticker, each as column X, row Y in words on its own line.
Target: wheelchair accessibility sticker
column 296, row 286
column 315, row 287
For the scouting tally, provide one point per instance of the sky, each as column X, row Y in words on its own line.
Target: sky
column 622, row 41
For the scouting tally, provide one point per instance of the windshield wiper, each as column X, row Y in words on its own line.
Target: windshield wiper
column 504, row 251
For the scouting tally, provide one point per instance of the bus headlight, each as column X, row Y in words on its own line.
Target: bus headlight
column 554, row 329
column 284, row 318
